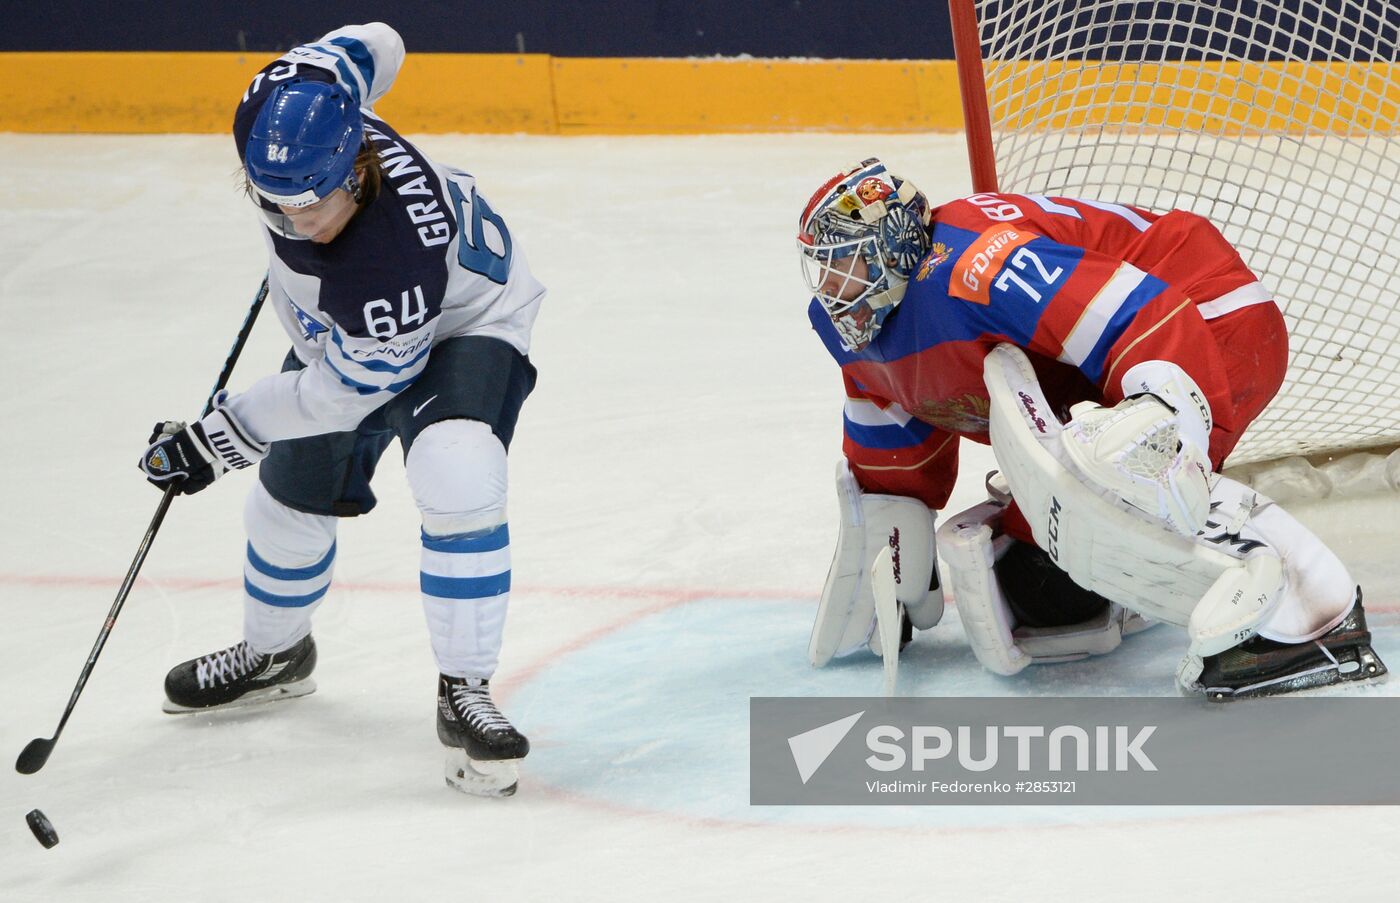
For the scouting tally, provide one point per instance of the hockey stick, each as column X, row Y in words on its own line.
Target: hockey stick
column 888, row 615
column 37, row 752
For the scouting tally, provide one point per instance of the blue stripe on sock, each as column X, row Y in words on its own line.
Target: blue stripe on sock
column 464, row 587
column 493, row 540
column 262, row 566
column 263, row 595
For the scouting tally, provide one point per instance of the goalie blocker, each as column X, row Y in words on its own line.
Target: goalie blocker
column 1016, row 606
column 846, row 619
column 1267, row 607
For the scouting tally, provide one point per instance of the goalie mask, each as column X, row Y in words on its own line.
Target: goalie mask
column 861, row 236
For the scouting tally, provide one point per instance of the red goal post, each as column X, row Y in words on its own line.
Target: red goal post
column 1277, row 119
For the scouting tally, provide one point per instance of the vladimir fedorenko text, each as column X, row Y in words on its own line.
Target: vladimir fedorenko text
column 970, row 787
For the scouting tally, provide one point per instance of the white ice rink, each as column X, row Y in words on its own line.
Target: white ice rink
column 672, row 518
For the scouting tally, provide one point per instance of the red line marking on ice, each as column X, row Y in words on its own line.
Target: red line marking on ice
column 529, row 672
column 672, row 595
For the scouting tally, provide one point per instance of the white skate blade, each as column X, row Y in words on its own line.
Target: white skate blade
column 887, row 615
column 255, row 697
column 481, row 778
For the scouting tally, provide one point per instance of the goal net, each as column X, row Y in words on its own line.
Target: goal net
column 1277, row 119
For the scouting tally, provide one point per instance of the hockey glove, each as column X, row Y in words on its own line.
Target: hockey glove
column 196, row 455
column 1150, row 450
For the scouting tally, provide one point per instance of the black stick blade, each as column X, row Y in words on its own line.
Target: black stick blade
column 34, row 755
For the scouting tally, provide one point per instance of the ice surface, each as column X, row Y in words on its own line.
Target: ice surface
column 673, row 516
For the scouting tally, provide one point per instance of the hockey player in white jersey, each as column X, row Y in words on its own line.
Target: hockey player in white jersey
column 409, row 305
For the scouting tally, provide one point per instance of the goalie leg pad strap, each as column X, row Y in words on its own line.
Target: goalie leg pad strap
column 1312, row 591
column 846, row 614
column 970, row 552
column 1318, row 591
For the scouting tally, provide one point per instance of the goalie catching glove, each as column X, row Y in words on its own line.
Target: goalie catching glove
column 1151, row 449
column 196, row 455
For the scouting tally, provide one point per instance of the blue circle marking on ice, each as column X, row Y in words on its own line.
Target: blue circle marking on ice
column 654, row 716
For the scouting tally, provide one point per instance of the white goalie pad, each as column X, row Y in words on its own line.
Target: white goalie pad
column 1220, row 585
column 870, row 522
column 970, row 550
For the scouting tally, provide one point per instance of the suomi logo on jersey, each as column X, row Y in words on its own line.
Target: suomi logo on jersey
column 309, row 327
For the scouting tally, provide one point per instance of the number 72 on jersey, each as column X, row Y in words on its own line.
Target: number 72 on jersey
column 999, row 258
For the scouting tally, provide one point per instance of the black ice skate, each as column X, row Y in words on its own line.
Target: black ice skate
column 1260, row 667
column 485, row 746
column 238, row 676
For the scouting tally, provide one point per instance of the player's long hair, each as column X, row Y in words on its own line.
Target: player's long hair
column 370, row 168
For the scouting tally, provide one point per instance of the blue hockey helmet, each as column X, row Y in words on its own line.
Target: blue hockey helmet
column 861, row 235
column 303, row 143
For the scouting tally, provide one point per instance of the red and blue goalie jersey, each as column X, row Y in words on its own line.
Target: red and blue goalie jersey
column 1088, row 289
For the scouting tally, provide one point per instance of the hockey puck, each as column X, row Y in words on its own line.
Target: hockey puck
column 43, row 829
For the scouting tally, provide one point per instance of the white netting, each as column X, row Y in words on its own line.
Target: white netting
column 1278, row 124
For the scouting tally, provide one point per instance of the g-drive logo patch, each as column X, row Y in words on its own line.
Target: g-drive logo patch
column 1032, row 747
